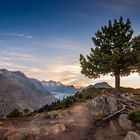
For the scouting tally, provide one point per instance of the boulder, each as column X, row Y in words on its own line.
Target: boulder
column 57, row 129
column 132, row 136
column 125, row 95
column 53, row 114
column 124, row 122
column 44, row 131
column 103, row 105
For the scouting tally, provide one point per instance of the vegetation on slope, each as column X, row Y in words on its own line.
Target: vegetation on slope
column 89, row 93
column 16, row 113
column 134, row 116
column 134, row 92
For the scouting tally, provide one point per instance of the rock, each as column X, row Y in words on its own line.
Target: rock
column 138, row 125
column 125, row 95
column 44, row 131
column 132, row 136
column 53, row 114
column 57, row 129
column 103, row 105
column 124, row 122
column 112, row 128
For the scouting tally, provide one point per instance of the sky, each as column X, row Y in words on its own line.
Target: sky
column 44, row 38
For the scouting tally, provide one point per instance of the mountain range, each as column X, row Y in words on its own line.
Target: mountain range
column 58, row 89
column 19, row 91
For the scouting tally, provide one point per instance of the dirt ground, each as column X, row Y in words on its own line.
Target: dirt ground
column 75, row 123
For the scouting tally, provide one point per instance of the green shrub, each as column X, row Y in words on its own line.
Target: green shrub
column 134, row 116
column 14, row 114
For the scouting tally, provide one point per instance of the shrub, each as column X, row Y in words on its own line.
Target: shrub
column 134, row 116
column 14, row 114
column 26, row 111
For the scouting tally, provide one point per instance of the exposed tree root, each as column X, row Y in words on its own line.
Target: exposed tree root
column 115, row 113
column 128, row 105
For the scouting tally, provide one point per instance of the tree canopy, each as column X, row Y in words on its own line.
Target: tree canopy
column 115, row 52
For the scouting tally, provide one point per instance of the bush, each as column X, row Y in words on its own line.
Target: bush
column 26, row 111
column 14, row 114
column 134, row 116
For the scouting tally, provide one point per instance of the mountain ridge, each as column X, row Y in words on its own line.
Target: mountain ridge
column 19, row 91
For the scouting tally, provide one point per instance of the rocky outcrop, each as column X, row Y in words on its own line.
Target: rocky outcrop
column 57, row 129
column 103, row 105
column 124, row 122
column 132, row 136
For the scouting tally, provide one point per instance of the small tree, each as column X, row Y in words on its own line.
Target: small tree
column 113, row 53
column 14, row 114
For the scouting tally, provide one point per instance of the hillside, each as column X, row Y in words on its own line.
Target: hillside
column 82, row 121
column 19, row 91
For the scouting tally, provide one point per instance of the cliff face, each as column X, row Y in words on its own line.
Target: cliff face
column 19, row 91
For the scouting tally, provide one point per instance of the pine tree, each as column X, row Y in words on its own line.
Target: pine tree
column 113, row 53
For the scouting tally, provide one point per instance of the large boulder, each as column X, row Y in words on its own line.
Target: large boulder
column 103, row 105
column 132, row 136
column 124, row 122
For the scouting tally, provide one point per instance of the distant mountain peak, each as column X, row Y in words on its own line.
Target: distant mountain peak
column 102, row 85
column 19, row 73
column 4, row 70
column 58, row 89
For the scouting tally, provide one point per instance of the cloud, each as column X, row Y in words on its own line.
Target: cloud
column 29, row 36
column 15, row 34
column 16, row 55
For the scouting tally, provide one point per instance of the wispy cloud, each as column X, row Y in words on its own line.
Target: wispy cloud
column 16, row 34
column 16, row 55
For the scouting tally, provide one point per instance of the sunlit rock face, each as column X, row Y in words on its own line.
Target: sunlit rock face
column 19, row 91
column 103, row 105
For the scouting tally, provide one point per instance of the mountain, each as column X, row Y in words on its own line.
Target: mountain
column 102, row 85
column 19, row 91
column 58, row 89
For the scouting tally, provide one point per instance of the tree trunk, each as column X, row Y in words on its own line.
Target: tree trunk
column 117, row 85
